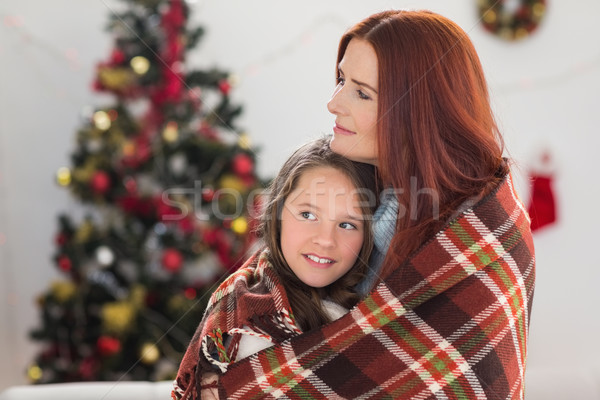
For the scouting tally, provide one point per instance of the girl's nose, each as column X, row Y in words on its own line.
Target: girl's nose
column 325, row 235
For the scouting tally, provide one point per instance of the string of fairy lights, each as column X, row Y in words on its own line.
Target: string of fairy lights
column 494, row 19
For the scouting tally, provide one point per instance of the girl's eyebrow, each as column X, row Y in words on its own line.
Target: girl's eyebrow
column 359, row 83
column 314, row 207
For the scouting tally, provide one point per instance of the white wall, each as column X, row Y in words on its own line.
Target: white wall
column 545, row 91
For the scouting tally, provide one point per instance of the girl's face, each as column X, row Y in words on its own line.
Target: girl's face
column 354, row 103
column 322, row 227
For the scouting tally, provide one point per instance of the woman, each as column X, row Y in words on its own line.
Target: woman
column 449, row 293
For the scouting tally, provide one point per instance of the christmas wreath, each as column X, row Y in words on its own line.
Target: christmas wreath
column 511, row 25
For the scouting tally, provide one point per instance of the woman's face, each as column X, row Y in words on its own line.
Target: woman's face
column 354, row 104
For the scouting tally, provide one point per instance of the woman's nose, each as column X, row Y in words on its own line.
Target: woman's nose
column 334, row 103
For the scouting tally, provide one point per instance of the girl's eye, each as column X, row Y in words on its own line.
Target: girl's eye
column 348, row 226
column 362, row 95
column 308, row 215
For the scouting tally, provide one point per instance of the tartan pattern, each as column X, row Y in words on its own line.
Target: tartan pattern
column 243, row 300
column 451, row 323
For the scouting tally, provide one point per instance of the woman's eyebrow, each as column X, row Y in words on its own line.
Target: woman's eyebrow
column 359, row 83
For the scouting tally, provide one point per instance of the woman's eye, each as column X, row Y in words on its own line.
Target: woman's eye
column 308, row 215
column 362, row 95
column 347, row 225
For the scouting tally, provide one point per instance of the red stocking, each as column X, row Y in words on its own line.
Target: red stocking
column 542, row 208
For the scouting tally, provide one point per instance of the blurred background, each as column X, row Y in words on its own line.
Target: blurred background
column 545, row 90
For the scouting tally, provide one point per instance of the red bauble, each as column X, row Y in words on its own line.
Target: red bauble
column 61, row 239
column 100, row 182
column 117, row 57
column 242, row 164
column 64, row 263
column 172, row 260
column 107, row 345
column 224, row 86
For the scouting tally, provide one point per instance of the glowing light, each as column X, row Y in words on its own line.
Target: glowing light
column 63, row 176
column 140, row 65
column 101, row 120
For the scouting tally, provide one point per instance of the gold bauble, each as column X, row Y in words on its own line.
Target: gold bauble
column 233, row 183
column 117, row 317
column 63, row 291
column 63, row 176
column 490, row 17
column 115, row 78
column 129, row 148
column 84, row 232
column 521, row 33
column 34, row 373
column 137, row 296
column 239, row 225
column 171, row 132
column 244, row 141
column 538, row 10
column 140, row 65
column 149, row 353
column 177, row 302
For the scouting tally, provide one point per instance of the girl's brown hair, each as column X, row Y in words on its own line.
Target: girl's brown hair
column 438, row 142
column 305, row 300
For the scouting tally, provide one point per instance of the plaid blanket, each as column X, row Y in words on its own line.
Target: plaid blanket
column 450, row 323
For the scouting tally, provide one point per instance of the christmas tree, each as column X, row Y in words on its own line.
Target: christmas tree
column 168, row 183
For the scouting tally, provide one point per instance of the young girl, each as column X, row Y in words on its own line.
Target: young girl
column 316, row 229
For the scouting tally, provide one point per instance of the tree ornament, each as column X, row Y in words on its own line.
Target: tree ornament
column 239, row 225
column 225, row 86
column 171, row 132
column 34, row 373
column 63, row 176
column 542, row 206
column 84, row 232
column 117, row 56
column 105, row 256
column 63, row 291
column 101, row 120
column 116, row 79
column 511, row 20
column 242, row 164
column 172, row 260
column 244, row 141
column 61, row 239
column 100, row 182
column 108, row 346
column 233, row 183
column 178, row 163
column 128, row 148
column 149, row 353
column 140, row 65
column 64, row 263
column 117, row 317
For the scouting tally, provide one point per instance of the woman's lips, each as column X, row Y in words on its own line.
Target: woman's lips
column 342, row 131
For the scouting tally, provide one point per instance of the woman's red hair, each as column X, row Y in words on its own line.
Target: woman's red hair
column 438, row 142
